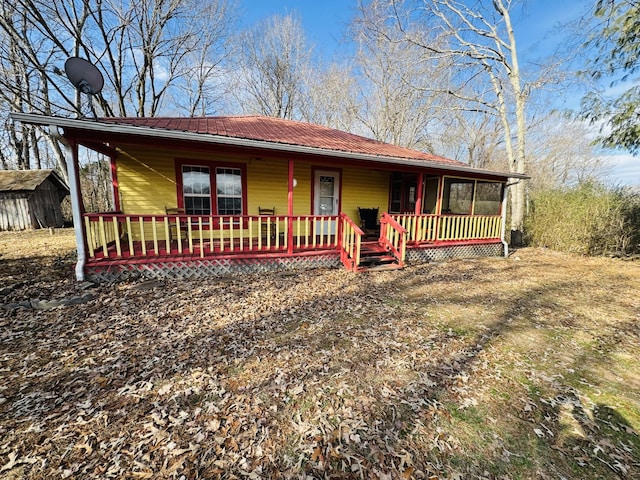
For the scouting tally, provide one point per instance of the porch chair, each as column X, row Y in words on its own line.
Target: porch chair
column 265, row 225
column 369, row 222
column 174, row 223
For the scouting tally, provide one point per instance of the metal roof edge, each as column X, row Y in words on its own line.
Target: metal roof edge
column 96, row 125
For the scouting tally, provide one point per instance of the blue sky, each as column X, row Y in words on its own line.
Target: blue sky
column 324, row 21
column 537, row 25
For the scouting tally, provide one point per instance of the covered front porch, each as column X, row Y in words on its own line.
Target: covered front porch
column 254, row 194
column 175, row 245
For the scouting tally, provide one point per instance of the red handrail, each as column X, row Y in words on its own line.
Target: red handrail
column 398, row 250
column 350, row 243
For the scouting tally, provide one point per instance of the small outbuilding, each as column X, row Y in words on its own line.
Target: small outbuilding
column 31, row 199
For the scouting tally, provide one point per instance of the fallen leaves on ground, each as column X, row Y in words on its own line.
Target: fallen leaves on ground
column 495, row 368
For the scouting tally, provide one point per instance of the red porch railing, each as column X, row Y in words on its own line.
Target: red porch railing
column 351, row 243
column 393, row 237
column 114, row 235
column 119, row 236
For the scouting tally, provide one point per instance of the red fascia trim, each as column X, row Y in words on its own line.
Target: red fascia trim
column 419, row 192
column 290, row 171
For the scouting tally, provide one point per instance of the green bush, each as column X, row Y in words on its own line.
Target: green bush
column 588, row 219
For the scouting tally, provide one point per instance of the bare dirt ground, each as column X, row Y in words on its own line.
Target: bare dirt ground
column 516, row 368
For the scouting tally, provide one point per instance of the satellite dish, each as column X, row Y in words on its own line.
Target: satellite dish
column 84, row 75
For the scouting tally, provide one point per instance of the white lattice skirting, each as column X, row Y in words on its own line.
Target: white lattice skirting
column 433, row 253
column 187, row 269
column 217, row 267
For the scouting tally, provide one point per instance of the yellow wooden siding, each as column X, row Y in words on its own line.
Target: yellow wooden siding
column 302, row 191
column 364, row 188
column 267, row 186
column 147, row 183
column 147, row 180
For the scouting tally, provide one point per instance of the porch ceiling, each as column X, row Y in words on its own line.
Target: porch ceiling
column 313, row 140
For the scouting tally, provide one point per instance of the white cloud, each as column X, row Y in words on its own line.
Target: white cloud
column 624, row 169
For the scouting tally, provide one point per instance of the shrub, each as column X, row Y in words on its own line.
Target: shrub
column 588, row 219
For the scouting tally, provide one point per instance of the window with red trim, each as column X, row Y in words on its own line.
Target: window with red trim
column 229, row 191
column 463, row 196
column 196, row 190
column 211, row 190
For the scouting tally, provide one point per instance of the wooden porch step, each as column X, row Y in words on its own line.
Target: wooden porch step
column 376, row 257
column 369, row 247
column 389, row 266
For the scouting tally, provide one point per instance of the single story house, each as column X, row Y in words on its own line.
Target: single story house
column 30, row 199
column 219, row 195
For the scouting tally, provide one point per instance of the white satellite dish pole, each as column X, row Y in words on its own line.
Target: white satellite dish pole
column 85, row 76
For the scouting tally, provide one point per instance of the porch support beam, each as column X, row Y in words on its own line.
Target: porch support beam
column 420, row 188
column 503, row 227
column 290, row 208
column 77, row 206
column 115, row 190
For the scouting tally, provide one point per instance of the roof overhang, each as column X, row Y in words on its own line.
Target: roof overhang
column 97, row 127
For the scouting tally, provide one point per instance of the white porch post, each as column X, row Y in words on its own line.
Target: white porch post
column 71, row 157
column 503, row 227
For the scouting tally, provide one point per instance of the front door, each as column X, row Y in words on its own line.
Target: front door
column 403, row 193
column 326, row 199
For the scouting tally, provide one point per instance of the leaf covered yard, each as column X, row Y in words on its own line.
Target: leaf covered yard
column 524, row 367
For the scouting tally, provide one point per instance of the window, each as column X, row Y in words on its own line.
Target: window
column 458, row 196
column 488, row 198
column 229, row 191
column 196, row 187
column 461, row 194
column 198, row 183
column 395, row 202
column 430, row 197
column 403, row 193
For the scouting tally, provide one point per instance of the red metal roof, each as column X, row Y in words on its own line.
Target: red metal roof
column 278, row 130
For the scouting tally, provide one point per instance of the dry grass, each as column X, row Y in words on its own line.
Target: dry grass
column 524, row 367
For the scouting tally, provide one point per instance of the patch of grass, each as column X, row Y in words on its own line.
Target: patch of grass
column 394, row 302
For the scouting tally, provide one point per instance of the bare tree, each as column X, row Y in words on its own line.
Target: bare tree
column 275, row 61
column 331, row 98
column 482, row 43
column 203, row 87
column 150, row 51
column 403, row 87
column 25, row 83
column 563, row 153
column 156, row 50
column 471, row 137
